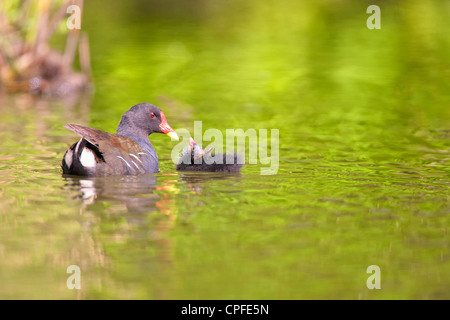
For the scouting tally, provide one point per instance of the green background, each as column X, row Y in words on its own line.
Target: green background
column 363, row 179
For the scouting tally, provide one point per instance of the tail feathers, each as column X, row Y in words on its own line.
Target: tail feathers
column 81, row 159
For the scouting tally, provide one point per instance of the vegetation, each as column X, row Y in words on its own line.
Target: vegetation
column 27, row 61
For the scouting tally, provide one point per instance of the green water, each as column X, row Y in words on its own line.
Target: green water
column 363, row 179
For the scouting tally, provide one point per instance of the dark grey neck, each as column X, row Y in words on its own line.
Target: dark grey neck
column 128, row 129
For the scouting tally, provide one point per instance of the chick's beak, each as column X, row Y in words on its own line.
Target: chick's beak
column 166, row 129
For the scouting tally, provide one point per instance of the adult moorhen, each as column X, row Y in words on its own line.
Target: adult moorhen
column 100, row 153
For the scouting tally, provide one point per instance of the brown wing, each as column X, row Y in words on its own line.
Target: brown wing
column 94, row 136
column 115, row 150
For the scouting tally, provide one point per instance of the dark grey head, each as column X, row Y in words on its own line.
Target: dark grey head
column 142, row 120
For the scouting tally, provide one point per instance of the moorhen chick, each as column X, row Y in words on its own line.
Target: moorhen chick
column 195, row 158
column 128, row 152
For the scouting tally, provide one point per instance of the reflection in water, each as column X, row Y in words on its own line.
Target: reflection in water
column 195, row 179
column 363, row 173
column 138, row 215
column 135, row 192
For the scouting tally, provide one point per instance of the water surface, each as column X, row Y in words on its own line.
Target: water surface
column 363, row 178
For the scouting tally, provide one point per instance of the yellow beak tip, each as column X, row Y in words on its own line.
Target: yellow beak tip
column 173, row 135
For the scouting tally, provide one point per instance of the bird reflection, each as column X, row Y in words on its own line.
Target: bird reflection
column 196, row 180
column 135, row 192
column 136, row 215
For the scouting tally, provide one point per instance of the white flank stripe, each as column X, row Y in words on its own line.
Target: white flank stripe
column 68, row 158
column 76, row 147
column 135, row 157
column 135, row 164
column 125, row 161
column 87, row 158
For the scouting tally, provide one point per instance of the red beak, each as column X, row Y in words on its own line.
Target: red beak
column 165, row 128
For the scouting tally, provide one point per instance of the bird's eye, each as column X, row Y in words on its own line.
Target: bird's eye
column 152, row 115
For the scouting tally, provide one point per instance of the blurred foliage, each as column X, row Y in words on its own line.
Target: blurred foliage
column 25, row 14
column 364, row 148
column 28, row 60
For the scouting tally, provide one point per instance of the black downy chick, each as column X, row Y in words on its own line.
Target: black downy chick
column 194, row 158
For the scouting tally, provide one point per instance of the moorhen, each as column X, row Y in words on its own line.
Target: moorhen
column 100, row 153
column 194, row 158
